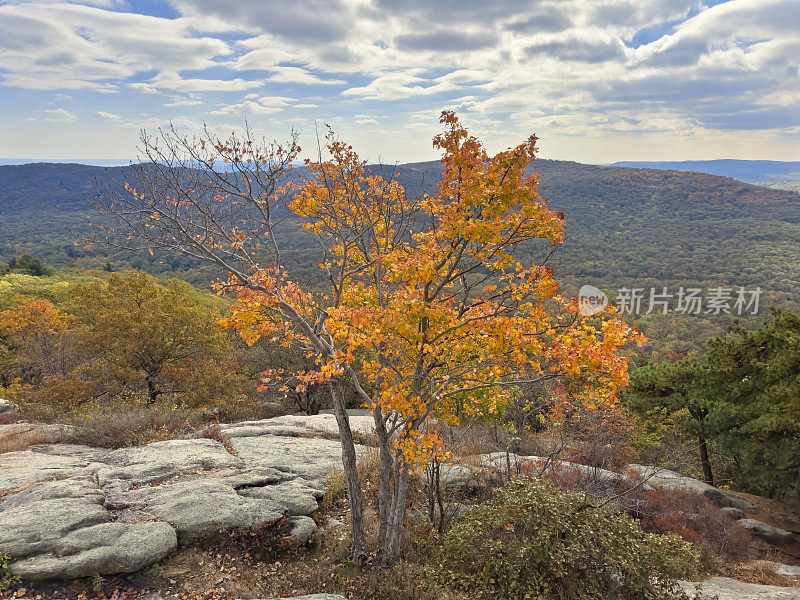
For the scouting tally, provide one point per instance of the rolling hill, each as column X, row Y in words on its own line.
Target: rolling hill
column 625, row 226
column 772, row 173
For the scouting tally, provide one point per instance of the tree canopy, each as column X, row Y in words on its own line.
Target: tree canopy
column 429, row 312
column 743, row 394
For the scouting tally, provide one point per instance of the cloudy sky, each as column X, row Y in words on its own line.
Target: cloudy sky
column 596, row 80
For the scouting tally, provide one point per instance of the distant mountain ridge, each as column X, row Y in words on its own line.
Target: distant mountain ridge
column 91, row 162
column 750, row 171
column 624, row 227
column 622, row 223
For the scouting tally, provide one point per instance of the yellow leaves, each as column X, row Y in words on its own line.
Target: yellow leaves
column 396, row 312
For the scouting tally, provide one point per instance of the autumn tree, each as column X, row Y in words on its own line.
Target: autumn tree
column 33, row 333
column 144, row 334
column 427, row 312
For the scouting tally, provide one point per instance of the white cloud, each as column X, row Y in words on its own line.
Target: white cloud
column 108, row 116
column 263, row 106
column 572, row 69
column 183, row 102
column 410, row 83
column 298, row 75
column 59, row 114
column 173, row 81
column 71, row 46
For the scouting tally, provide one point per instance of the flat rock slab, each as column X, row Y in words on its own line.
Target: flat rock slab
column 724, row 588
column 18, row 469
column 298, row 425
column 101, row 549
column 68, row 510
column 471, row 469
column 197, row 507
column 159, row 461
column 675, row 481
column 312, row 458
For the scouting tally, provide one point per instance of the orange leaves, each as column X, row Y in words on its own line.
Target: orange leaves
column 32, row 319
column 435, row 319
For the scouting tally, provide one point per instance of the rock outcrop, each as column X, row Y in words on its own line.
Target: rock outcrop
column 768, row 533
column 671, row 480
column 724, row 588
column 7, row 407
column 69, row 510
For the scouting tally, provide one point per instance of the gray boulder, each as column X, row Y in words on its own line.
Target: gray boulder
column 671, row 480
column 35, row 520
column 7, row 407
column 768, row 533
column 197, row 507
column 295, row 497
column 303, row 529
column 101, row 549
column 734, row 513
column 724, row 588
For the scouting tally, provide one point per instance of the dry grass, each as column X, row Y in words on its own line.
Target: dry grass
column 23, row 440
column 134, row 426
column 761, row 572
column 213, row 432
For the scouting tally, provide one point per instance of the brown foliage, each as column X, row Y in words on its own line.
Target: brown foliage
column 22, row 441
column 696, row 519
column 135, row 425
column 602, row 438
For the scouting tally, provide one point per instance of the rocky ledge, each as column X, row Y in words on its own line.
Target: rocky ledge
column 69, row 511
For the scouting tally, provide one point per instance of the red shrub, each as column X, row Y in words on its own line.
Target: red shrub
column 695, row 519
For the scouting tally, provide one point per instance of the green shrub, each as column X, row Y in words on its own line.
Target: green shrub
column 532, row 540
column 6, row 578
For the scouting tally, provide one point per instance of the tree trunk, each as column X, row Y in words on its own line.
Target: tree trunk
column 385, row 481
column 519, row 426
column 152, row 392
column 707, row 474
column 358, row 548
column 394, row 531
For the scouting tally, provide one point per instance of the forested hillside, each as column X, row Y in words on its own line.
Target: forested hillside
column 625, row 227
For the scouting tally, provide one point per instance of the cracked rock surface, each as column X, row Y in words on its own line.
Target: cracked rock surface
column 69, row 510
column 72, row 511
